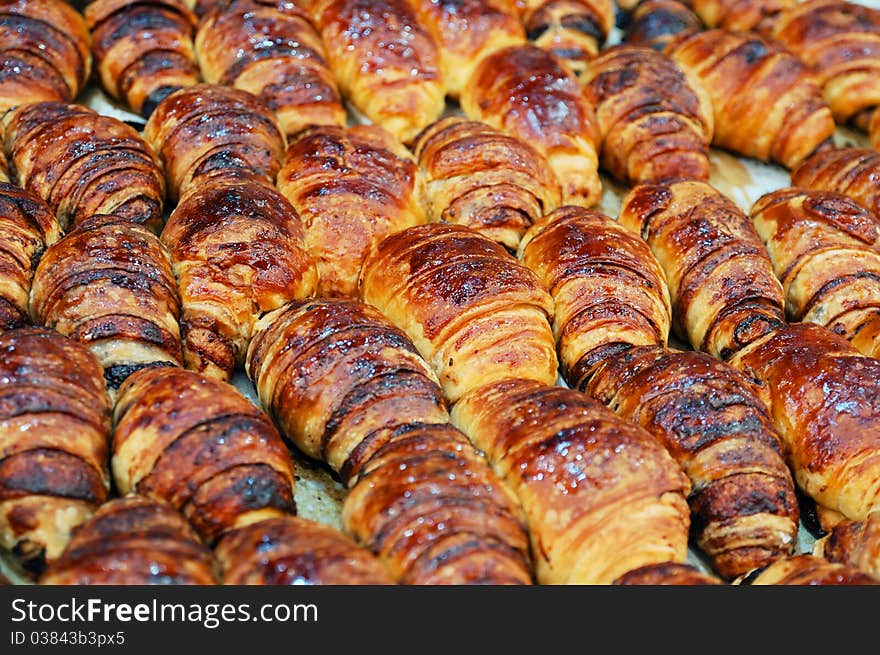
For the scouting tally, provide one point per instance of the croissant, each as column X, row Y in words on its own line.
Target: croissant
column 27, row 226
column 347, row 387
column 202, row 8
column 823, row 397
column 654, row 119
column 854, row 543
column 237, row 251
column 573, row 30
column 807, row 570
column 143, row 50
column 82, row 163
column 608, row 290
column 741, row 15
column 724, row 294
column 466, row 31
column 109, row 285
column 293, row 551
column 385, row 60
column 45, row 52
column 841, row 42
column 270, row 48
column 529, row 94
column 710, row 418
column 654, row 23
column 54, row 433
column 601, row 496
column 352, row 187
column 825, row 249
column 767, row 104
column 667, row 573
column 475, row 313
column 4, row 164
column 133, row 541
column 202, row 447
column 484, row 179
column 208, row 129
column 851, row 171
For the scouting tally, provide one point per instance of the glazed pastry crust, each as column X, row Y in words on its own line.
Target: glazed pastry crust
column 573, row 30
column 667, row 573
column 808, row 570
column 850, row 171
column 741, row 15
column 654, row 23
column 854, row 543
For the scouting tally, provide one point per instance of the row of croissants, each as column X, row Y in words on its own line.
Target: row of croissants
column 405, row 295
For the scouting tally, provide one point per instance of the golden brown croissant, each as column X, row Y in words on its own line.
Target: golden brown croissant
column 484, row 179
column 54, row 433
column 45, row 52
column 207, row 129
column 386, row 61
column 724, row 294
column 654, row 119
column 609, row 292
column 474, row 312
column 82, row 163
column 27, row 226
column 347, row 387
column 269, row 48
column 202, row 447
column 841, row 42
column 573, row 30
column 237, row 251
column 601, row 496
column 4, row 164
column 529, row 94
column 466, row 31
column 854, row 543
column 851, row 171
column 109, row 285
column 741, row 15
column 824, row 397
column 767, row 104
column 667, row 573
column 874, row 130
column 710, row 418
column 352, row 187
column 293, row 551
column 654, row 23
column 134, row 541
column 807, row 570
column 825, row 249
column 143, row 50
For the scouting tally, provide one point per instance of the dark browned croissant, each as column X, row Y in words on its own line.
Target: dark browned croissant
column 271, row 49
column 854, row 543
column 466, row 31
column 82, row 163
column 386, row 61
column 143, row 49
column 724, row 294
column 654, row 119
column 654, row 23
column 740, row 15
column 807, row 570
column 347, row 387
column 54, row 434
column 109, row 285
column 202, row 447
column 484, row 179
column 293, row 551
column 27, row 226
column 44, row 46
column 710, row 418
column 824, row 397
column 529, row 94
column 474, row 312
column 609, row 292
column 601, row 496
column 207, row 129
column 667, row 573
column 237, row 251
column 134, row 541
column 352, row 187
column 767, row 104
column 851, row 171
column 825, row 250
column 573, row 30
column 841, row 41
column 874, row 130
